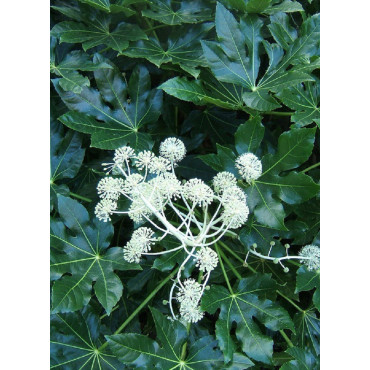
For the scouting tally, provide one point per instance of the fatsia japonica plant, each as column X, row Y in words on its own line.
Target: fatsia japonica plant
column 184, row 186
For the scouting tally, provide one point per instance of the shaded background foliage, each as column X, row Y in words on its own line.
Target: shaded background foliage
column 226, row 77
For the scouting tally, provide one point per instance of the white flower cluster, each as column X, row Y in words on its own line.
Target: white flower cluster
column 141, row 242
column 189, row 296
column 311, row 254
column 192, row 212
column 249, row 167
column 207, row 259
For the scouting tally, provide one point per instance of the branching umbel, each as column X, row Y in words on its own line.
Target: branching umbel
column 203, row 214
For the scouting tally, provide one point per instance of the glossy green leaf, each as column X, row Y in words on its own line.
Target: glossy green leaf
column 307, row 326
column 303, row 360
column 80, row 255
column 303, row 99
column 206, row 90
column 241, row 307
column 182, row 48
column 68, row 69
column 174, row 13
column 235, row 57
column 308, row 280
column 140, row 351
column 74, row 341
column 266, row 193
column 134, row 106
column 97, row 31
column 249, row 135
column 66, row 156
column 287, row 6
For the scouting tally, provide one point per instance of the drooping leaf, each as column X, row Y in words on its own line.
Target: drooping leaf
column 134, row 106
column 241, row 307
column 235, row 57
column 249, row 135
column 182, row 47
column 174, row 13
column 140, row 351
column 80, row 255
column 304, row 99
column 75, row 341
column 97, row 30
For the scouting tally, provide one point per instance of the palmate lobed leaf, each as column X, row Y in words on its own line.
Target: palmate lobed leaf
column 265, row 195
column 230, row 62
column 75, row 339
column 182, row 47
column 134, row 106
column 241, row 307
column 68, row 69
column 80, row 249
column 95, row 29
column 140, row 351
column 175, row 13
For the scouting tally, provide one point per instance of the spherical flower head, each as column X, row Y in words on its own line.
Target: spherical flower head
column 190, row 293
column 235, row 214
column 123, row 154
column 223, row 180
column 132, row 253
column 190, row 313
column 249, row 167
column 173, row 149
column 232, row 194
column 131, row 182
column 159, row 165
column 198, row 192
column 168, row 185
column 110, row 188
column 143, row 159
column 206, row 259
column 143, row 237
column 313, row 253
column 104, row 209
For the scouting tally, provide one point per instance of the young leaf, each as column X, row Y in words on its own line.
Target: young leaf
column 80, row 248
column 241, row 307
column 74, row 340
column 173, row 13
column 134, row 106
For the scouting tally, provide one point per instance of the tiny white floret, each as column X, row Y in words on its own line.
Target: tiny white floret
column 104, row 209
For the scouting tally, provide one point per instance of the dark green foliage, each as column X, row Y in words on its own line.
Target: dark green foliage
column 227, row 77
